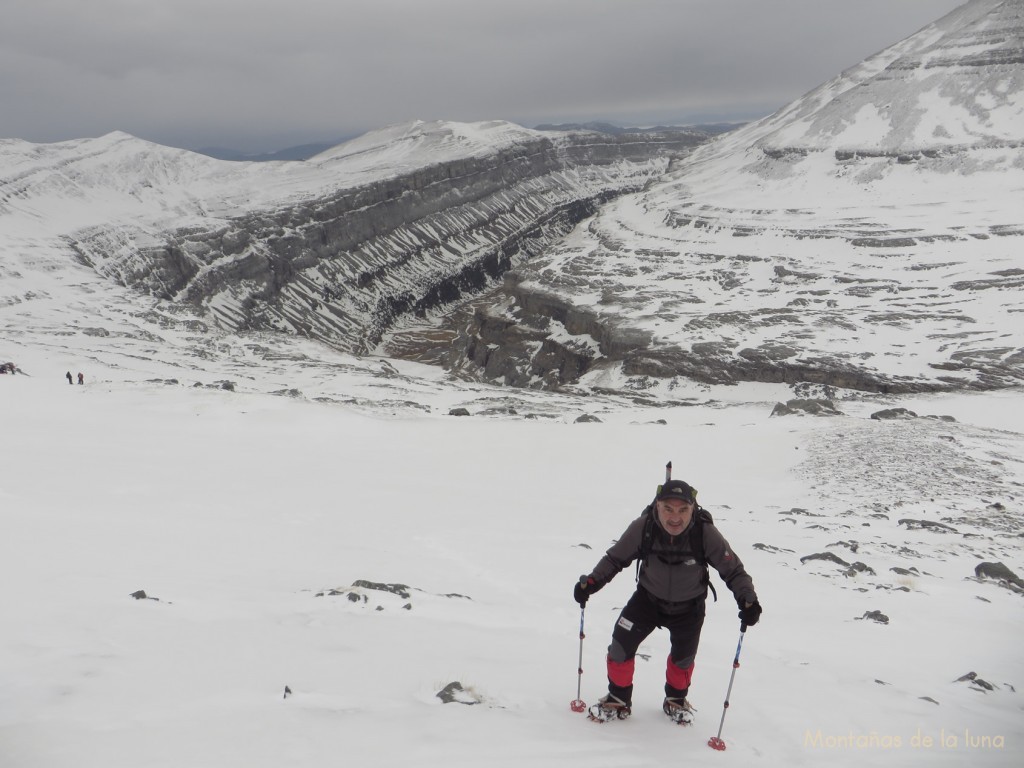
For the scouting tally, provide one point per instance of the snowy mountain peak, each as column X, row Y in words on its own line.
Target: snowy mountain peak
column 958, row 83
column 436, row 141
column 866, row 236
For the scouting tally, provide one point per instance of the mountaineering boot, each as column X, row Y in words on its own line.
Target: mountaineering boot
column 609, row 707
column 679, row 710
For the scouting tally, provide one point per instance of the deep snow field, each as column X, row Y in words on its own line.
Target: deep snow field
column 239, row 512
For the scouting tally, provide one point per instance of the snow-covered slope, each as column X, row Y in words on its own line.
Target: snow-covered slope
column 868, row 235
column 368, row 552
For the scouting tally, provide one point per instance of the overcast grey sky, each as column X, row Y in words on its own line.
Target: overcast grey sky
column 258, row 75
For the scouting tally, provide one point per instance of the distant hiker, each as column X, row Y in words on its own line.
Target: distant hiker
column 70, row 380
column 81, row 378
column 673, row 541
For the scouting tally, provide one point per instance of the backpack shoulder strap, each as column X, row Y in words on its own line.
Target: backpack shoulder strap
column 697, row 545
column 646, row 540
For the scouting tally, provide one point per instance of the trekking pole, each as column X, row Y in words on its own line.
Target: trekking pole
column 577, row 704
column 715, row 742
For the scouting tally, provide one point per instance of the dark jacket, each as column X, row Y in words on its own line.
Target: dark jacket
column 672, row 573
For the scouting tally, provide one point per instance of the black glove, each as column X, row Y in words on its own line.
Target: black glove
column 585, row 587
column 749, row 612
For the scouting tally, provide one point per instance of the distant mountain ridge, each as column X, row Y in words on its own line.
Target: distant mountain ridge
column 403, row 220
column 711, row 129
column 307, row 151
column 298, row 152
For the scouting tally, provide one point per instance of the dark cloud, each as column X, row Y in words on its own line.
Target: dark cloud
column 259, row 74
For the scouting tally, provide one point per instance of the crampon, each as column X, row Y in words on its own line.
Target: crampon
column 679, row 711
column 609, row 708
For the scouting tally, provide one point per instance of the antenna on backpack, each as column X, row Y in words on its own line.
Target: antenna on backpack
column 668, row 476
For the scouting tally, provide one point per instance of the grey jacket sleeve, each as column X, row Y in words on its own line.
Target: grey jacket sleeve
column 620, row 554
column 729, row 566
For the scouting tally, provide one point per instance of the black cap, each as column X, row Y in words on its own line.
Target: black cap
column 677, row 489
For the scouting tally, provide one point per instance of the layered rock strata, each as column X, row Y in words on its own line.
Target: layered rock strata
column 345, row 264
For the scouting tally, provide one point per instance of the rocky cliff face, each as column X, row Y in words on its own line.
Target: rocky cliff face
column 346, row 262
column 862, row 237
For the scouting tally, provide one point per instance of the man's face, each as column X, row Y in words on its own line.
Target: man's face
column 674, row 515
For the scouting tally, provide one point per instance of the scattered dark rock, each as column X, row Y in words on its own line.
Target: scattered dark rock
column 587, row 418
column 809, row 407
column 878, row 616
column 1000, row 573
column 454, row 693
column 928, row 698
column 287, row 692
column 356, row 594
column 853, row 546
column 905, row 571
column 914, row 525
column 771, row 548
column 976, row 683
column 141, row 595
column 893, row 413
column 587, row 546
column 826, row 556
column 799, row 511
column 396, row 589
column 458, row 412
column 858, row 567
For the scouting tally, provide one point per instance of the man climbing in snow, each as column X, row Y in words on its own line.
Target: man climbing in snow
column 673, row 541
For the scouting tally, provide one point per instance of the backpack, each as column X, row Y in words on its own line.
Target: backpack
column 703, row 517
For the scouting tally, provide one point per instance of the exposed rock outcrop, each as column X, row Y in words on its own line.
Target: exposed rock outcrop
column 346, row 263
